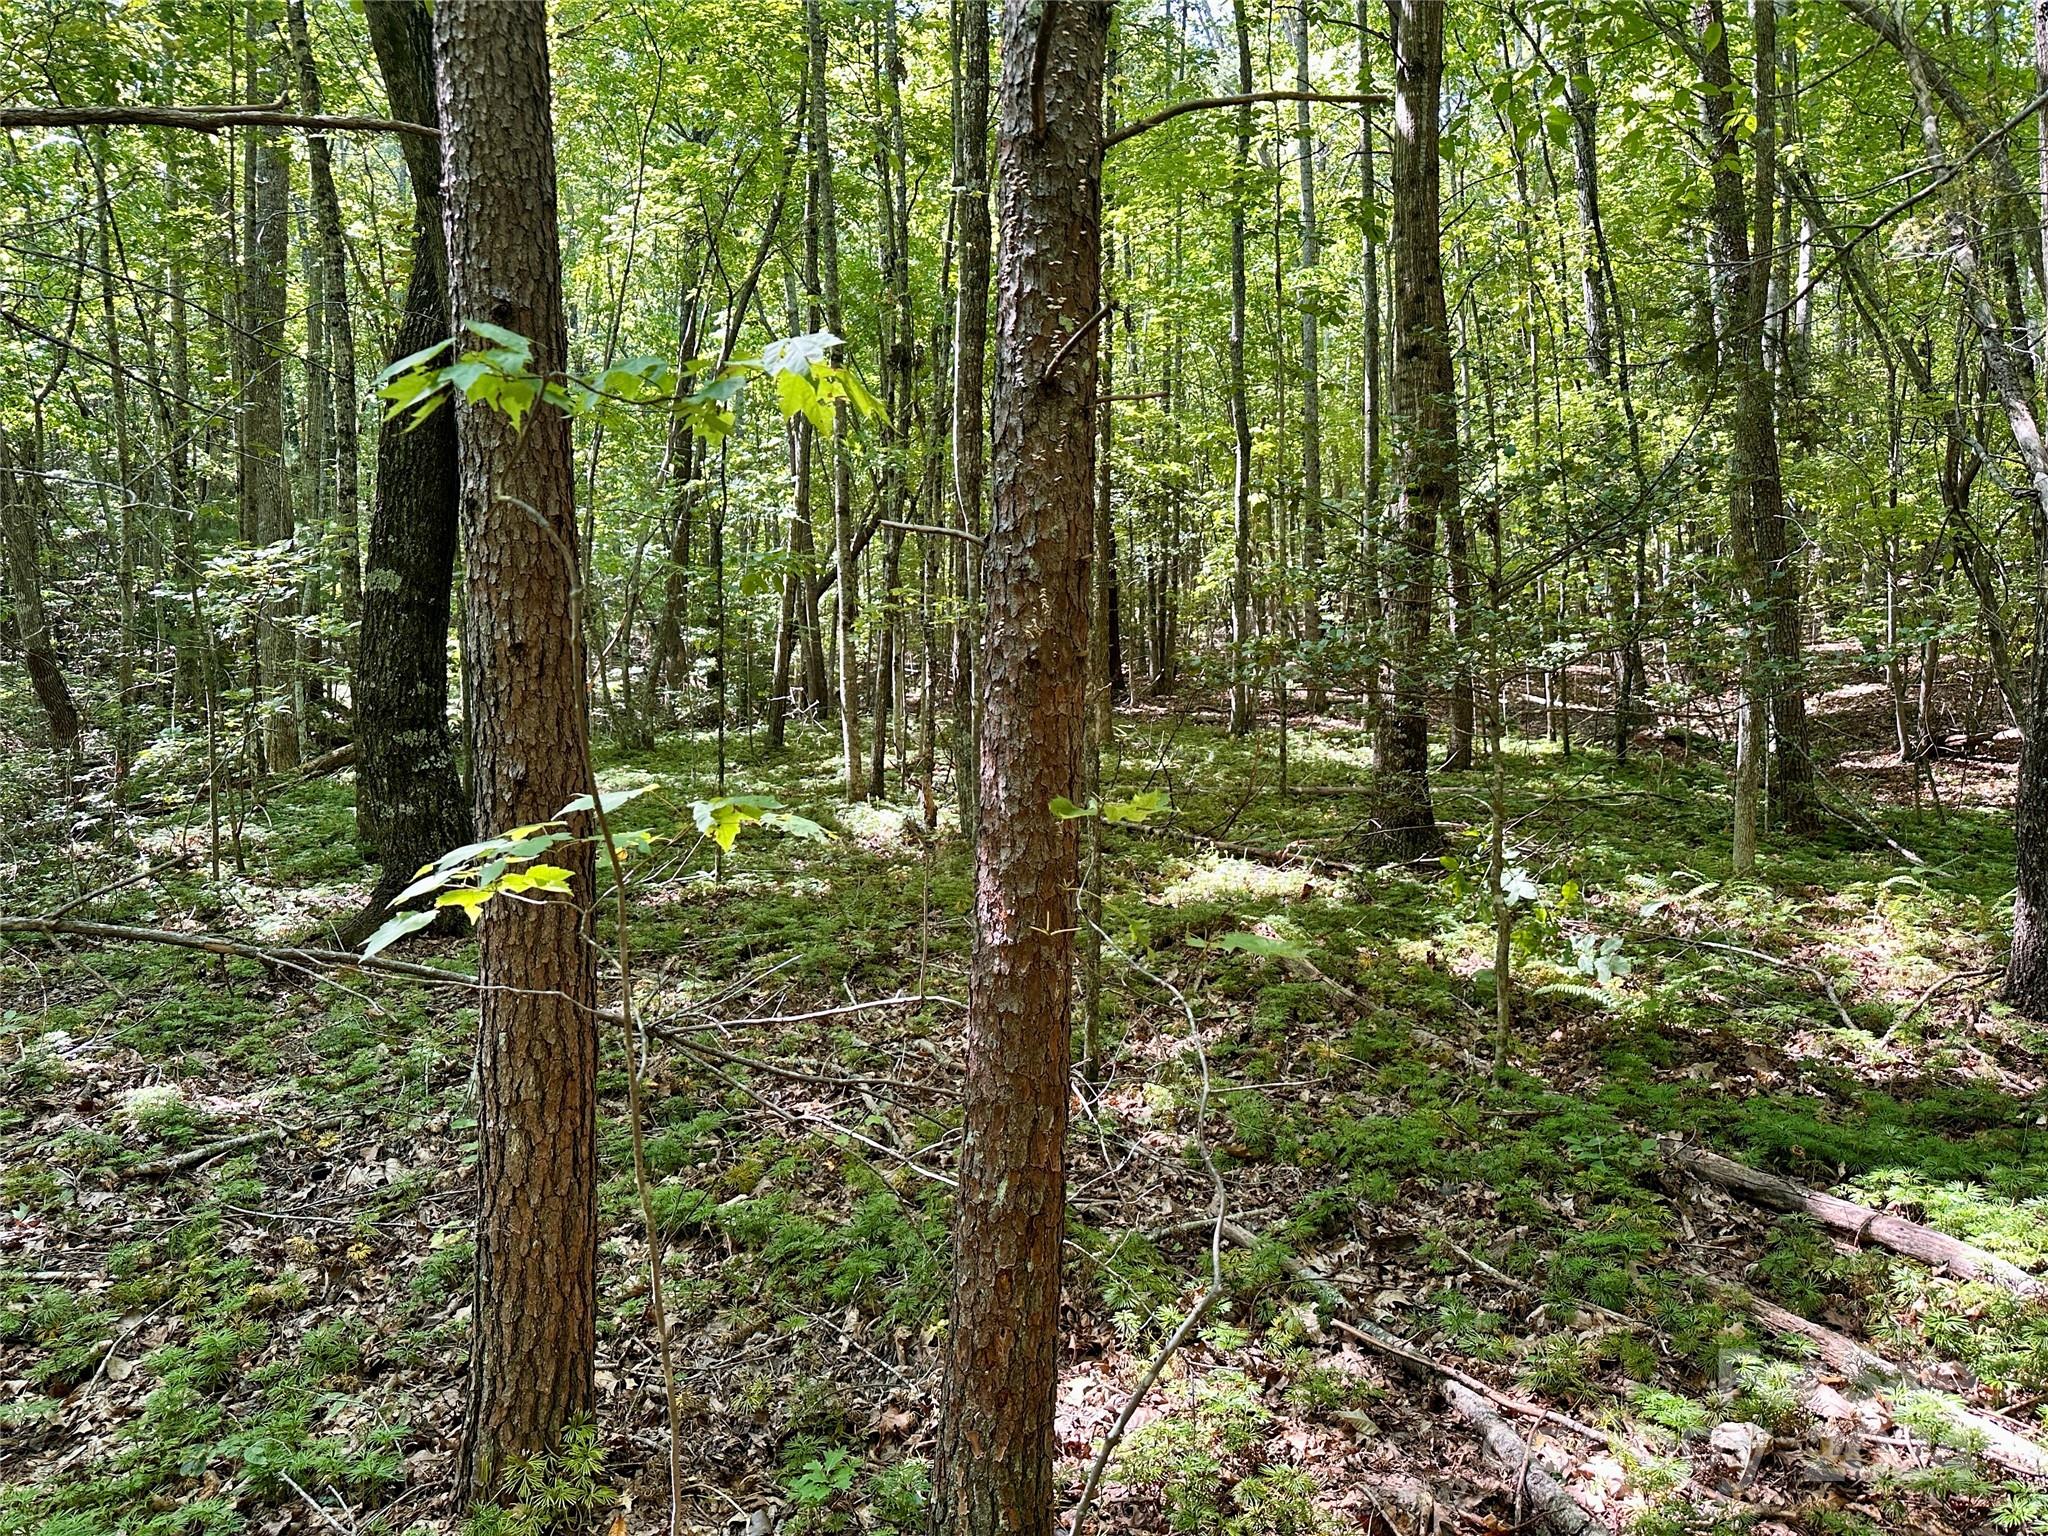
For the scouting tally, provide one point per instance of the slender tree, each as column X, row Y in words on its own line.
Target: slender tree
column 995, row 1463
column 1424, row 401
column 410, row 803
column 534, row 1315
column 1241, row 635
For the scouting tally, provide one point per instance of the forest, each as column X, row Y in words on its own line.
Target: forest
column 1007, row 767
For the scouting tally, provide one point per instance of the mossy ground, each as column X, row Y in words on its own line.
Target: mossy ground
column 221, row 1347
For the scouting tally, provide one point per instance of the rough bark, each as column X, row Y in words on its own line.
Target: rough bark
column 410, row 803
column 534, row 1319
column 970, row 382
column 1424, row 401
column 995, row 1469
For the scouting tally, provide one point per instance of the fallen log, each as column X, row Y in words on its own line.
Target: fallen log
column 1865, row 1370
column 1512, row 1454
column 1858, row 1222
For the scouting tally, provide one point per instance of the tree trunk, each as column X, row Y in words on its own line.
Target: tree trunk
column 995, row 1470
column 266, row 489
column 970, row 383
column 534, row 1319
column 1312, row 552
column 1241, row 636
column 1425, row 419
column 1757, row 522
column 31, row 625
column 336, row 322
column 410, row 804
column 825, row 217
column 1372, row 394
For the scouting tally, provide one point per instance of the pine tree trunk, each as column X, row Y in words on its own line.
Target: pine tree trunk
column 534, row 1316
column 1425, row 420
column 995, row 1466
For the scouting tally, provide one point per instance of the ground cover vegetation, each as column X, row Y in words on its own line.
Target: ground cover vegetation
column 851, row 767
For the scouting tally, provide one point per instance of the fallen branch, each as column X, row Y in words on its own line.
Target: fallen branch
column 1859, row 1222
column 177, row 1162
column 290, row 957
column 1558, row 1509
column 1863, row 1369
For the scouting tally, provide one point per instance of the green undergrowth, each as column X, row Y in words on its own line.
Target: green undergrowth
column 1526, row 1226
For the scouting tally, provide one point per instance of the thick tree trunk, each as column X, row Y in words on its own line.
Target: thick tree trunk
column 1759, row 529
column 994, row 1472
column 410, row 803
column 534, row 1318
column 1425, row 418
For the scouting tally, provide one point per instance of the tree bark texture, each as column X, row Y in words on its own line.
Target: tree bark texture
column 410, row 803
column 534, row 1327
column 1424, row 411
column 995, row 1469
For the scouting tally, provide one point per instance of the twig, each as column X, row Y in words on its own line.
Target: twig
column 179, row 1161
column 201, row 119
column 326, row 1518
column 1250, row 99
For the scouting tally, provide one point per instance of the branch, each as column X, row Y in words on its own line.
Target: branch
column 1209, row 103
column 201, row 119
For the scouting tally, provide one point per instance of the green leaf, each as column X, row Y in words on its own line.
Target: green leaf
column 511, row 341
column 395, row 929
column 1259, row 944
column 1066, row 810
column 412, row 360
column 470, row 899
column 795, row 826
column 610, row 799
column 1137, row 808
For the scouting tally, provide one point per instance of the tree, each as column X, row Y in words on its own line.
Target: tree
column 1241, row 636
column 534, row 1314
column 266, row 486
column 1424, row 413
column 995, row 1465
column 20, row 545
column 410, row 804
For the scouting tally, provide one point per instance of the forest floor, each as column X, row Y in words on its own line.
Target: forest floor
column 234, row 1245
